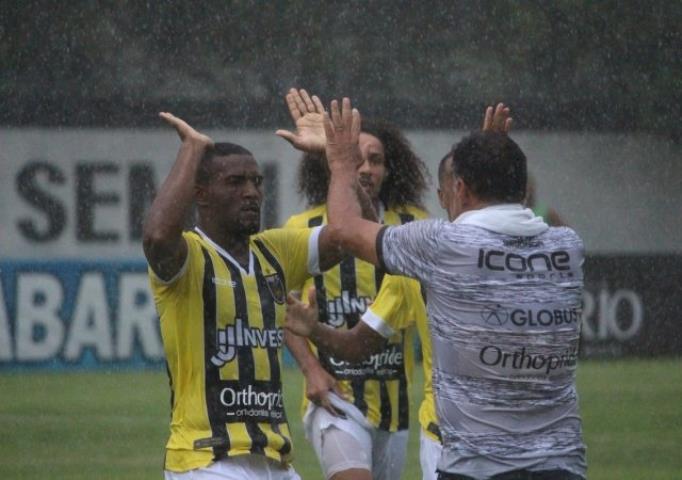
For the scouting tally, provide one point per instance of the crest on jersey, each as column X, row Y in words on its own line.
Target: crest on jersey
column 276, row 287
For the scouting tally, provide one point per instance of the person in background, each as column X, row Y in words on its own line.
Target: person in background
column 356, row 412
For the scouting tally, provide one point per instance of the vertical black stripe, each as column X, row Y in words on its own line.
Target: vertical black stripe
column 172, row 390
column 320, row 290
column 212, row 373
column 269, row 312
column 384, row 406
column 247, row 372
column 349, row 287
column 403, row 401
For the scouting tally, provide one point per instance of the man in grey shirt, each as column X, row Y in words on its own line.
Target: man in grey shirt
column 504, row 295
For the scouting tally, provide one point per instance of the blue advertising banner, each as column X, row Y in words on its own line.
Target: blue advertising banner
column 67, row 314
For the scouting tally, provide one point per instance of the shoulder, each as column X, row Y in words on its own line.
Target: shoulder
column 302, row 219
column 565, row 236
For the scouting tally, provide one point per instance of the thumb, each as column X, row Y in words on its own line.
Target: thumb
column 292, row 299
column 286, row 135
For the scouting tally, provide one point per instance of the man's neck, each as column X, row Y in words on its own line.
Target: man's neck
column 236, row 245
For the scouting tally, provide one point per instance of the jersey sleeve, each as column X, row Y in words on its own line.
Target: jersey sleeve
column 164, row 288
column 297, row 251
column 410, row 249
column 396, row 306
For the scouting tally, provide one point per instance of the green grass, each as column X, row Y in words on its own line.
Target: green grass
column 114, row 425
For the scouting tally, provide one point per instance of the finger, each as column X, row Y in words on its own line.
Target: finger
column 487, row 119
column 356, row 126
column 293, row 108
column 312, row 298
column 507, row 125
column 292, row 300
column 286, row 135
column 319, row 108
column 328, row 127
column 299, row 102
column 309, row 105
column 336, row 115
column 337, row 390
column 346, row 113
column 498, row 117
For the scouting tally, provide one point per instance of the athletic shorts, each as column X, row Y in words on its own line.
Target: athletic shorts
column 429, row 454
column 352, row 442
column 243, row 467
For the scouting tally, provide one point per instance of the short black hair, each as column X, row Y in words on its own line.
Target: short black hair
column 492, row 165
column 220, row 149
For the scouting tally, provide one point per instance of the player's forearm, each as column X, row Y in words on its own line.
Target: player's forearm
column 356, row 235
column 300, row 350
column 341, row 344
column 167, row 214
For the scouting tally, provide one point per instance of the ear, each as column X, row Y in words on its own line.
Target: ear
column 441, row 199
column 464, row 193
column 200, row 195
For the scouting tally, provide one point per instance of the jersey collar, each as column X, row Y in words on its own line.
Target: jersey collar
column 224, row 253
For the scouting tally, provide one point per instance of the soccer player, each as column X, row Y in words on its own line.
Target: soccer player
column 504, row 297
column 220, row 292
column 397, row 307
column 361, row 433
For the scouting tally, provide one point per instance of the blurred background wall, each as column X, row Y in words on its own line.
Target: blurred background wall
column 595, row 89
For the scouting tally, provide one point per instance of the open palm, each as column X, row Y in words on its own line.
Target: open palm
column 307, row 114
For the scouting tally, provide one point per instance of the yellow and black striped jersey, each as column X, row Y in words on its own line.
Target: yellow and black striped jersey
column 378, row 387
column 400, row 305
column 221, row 326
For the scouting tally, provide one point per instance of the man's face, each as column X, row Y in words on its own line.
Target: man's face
column 234, row 194
column 372, row 171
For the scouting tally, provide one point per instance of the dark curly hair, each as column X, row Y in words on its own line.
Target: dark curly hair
column 406, row 174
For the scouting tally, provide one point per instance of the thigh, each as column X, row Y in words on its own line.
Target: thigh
column 429, row 454
column 388, row 454
column 342, row 455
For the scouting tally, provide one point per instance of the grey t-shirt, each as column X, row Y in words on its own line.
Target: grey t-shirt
column 504, row 316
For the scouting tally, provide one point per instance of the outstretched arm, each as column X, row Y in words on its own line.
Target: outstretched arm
column 354, row 345
column 355, row 234
column 163, row 244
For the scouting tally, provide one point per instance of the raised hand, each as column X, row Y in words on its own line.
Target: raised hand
column 301, row 318
column 497, row 119
column 185, row 131
column 342, row 128
column 307, row 114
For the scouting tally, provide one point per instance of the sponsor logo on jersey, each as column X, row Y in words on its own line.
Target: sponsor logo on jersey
column 248, row 401
column 387, row 363
column 520, row 359
column 238, row 335
column 276, row 287
column 346, row 304
column 551, row 265
column 497, row 315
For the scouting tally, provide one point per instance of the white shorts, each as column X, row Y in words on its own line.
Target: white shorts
column 352, row 442
column 429, row 454
column 243, row 467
